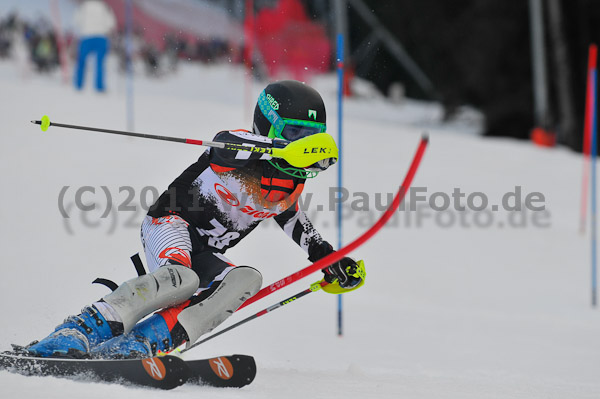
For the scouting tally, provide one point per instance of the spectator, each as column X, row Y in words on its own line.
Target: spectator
column 45, row 54
column 94, row 21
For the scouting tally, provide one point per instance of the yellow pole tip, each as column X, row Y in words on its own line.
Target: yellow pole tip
column 45, row 123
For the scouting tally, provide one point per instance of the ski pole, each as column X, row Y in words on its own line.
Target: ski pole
column 313, row 288
column 300, row 153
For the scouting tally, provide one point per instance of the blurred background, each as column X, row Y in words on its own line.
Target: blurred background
column 498, row 57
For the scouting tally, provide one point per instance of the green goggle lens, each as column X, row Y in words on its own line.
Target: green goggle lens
column 295, row 129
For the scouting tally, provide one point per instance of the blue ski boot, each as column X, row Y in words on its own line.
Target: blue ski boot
column 146, row 339
column 76, row 336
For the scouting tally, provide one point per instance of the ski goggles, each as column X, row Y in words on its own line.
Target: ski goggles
column 284, row 128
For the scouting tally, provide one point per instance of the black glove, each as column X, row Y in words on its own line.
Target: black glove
column 318, row 250
column 344, row 271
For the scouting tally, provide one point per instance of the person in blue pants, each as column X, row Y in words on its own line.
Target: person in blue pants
column 95, row 21
column 87, row 47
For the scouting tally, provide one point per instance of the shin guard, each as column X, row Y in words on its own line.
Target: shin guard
column 138, row 297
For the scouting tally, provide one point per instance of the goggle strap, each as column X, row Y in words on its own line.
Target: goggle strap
column 270, row 113
column 303, row 123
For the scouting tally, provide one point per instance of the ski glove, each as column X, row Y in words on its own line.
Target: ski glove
column 346, row 274
column 343, row 276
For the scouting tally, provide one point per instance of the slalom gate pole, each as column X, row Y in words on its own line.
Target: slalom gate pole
column 336, row 256
column 248, row 56
column 587, row 135
column 313, row 288
column 594, row 153
column 129, row 56
column 61, row 47
column 340, row 74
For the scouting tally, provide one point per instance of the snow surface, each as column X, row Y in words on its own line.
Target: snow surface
column 447, row 312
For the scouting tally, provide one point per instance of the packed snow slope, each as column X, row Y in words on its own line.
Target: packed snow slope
column 456, row 305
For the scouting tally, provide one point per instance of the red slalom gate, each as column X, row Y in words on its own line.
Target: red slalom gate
column 336, row 256
column 587, row 134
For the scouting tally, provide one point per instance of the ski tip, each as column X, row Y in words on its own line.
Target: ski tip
column 425, row 136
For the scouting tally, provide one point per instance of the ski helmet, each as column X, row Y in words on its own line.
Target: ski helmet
column 290, row 110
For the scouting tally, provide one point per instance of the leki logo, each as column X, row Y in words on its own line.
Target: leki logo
column 155, row 368
column 317, row 150
column 222, row 367
column 226, row 195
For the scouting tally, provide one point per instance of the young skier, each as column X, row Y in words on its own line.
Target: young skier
column 209, row 208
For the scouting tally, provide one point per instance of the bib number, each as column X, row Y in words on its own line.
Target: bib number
column 218, row 236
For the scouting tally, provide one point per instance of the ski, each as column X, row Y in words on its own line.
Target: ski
column 233, row 371
column 164, row 372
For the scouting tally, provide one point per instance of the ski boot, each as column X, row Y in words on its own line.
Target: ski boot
column 146, row 339
column 76, row 336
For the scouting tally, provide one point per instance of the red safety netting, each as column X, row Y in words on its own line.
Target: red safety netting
column 289, row 42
